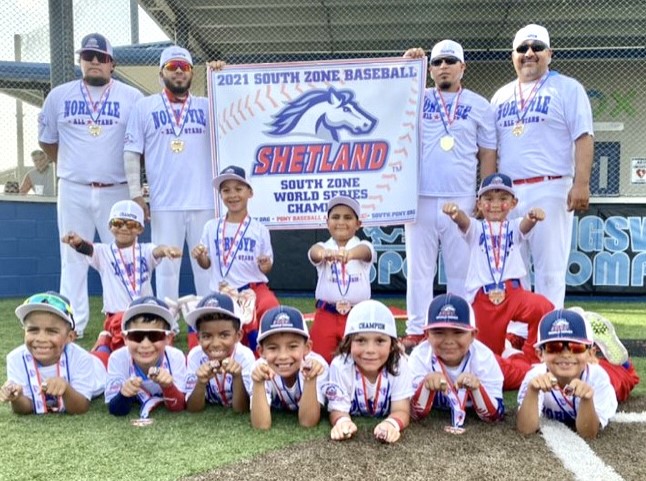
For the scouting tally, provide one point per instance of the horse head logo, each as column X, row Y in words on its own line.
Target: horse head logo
column 323, row 113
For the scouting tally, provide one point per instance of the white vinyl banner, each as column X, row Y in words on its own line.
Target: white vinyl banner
column 309, row 131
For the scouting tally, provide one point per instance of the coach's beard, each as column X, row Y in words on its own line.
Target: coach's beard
column 96, row 81
column 177, row 90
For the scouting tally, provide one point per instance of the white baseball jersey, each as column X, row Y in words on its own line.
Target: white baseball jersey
column 65, row 119
column 557, row 115
column 220, row 389
column 350, row 282
column 287, row 398
column 77, row 366
column 241, row 264
column 479, row 361
column 453, row 173
column 111, row 262
column 376, row 400
column 177, row 180
column 480, row 270
column 554, row 405
column 121, row 368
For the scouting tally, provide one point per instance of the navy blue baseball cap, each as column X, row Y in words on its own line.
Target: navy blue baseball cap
column 96, row 42
column 148, row 305
column 449, row 310
column 564, row 325
column 233, row 172
column 49, row 301
column 282, row 319
column 496, row 182
column 216, row 303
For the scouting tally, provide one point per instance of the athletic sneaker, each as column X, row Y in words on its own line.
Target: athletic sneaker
column 604, row 335
column 410, row 341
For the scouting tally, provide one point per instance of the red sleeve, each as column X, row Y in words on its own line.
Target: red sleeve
column 174, row 398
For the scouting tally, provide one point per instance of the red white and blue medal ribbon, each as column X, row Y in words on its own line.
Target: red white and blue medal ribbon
column 43, row 402
column 133, row 283
column 457, row 397
column 567, row 402
column 148, row 400
column 178, row 121
column 496, row 249
column 523, row 105
column 219, row 390
column 95, row 108
column 378, row 406
column 288, row 401
column 447, row 112
column 226, row 257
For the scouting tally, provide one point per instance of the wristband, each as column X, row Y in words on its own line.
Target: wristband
column 343, row 419
column 394, row 422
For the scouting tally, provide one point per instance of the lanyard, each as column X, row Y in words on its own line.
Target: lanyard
column 496, row 248
column 96, row 108
column 524, row 104
column 449, row 113
column 179, row 120
column 224, row 255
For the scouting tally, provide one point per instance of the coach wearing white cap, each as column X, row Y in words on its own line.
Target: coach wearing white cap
column 171, row 130
column 545, row 144
column 458, row 137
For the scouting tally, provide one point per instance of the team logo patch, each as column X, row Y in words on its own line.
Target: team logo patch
column 447, row 313
column 282, row 320
column 560, row 327
column 333, row 392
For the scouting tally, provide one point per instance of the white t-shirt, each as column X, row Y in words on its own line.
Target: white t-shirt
column 349, row 394
column 453, row 173
column 82, row 157
column 82, row 371
column 332, row 284
column 214, row 395
column 116, row 296
column 553, row 406
column 287, row 398
column 559, row 113
column 479, row 273
column 121, row 368
column 177, row 180
column 479, row 361
column 241, row 257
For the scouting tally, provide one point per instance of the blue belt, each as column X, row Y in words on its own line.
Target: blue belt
column 328, row 306
column 509, row 284
column 251, row 285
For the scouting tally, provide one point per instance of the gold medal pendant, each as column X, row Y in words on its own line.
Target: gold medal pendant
column 176, row 146
column 518, row 129
column 447, row 142
column 496, row 296
column 95, row 130
column 343, row 307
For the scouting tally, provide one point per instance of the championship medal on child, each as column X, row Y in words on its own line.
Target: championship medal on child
column 496, row 295
column 496, row 250
column 178, row 121
column 343, row 306
column 96, row 108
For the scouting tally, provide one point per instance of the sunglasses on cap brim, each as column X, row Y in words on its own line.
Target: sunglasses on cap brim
column 51, row 300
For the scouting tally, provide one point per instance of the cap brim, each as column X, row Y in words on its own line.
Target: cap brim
column 80, row 50
column 148, row 309
column 450, row 325
column 23, row 310
column 220, row 179
column 293, row 330
column 496, row 187
column 192, row 317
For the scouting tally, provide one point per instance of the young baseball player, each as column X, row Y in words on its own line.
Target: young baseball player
column 239, row 249
column 343, row 267
column 49, row 373
column 288, row 376
column 125, row 267
column 146, row 370
column 369, row 376
column 451, row 369
column 219, row 369
column 566, row 386
column 493, row 282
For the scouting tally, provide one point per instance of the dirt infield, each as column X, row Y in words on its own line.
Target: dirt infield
column 426, row 452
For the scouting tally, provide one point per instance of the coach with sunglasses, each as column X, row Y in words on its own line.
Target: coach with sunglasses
column 546, row 146
column 81, row 128
column 171, row 130
column 458, row 136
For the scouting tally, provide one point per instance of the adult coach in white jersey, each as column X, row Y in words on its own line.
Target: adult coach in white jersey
column 458, row 135
column 81, row 128
column 546, row 146
column 171, row 130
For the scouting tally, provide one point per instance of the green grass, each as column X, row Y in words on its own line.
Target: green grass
column 99, row 446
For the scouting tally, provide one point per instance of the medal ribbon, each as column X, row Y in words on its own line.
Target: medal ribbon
column 35, row 382
column 96, row 108
column 220, row 384
column 340, row 280
column 291, row 403
column 567, row 403
column 148, row 400
column 446, row 112
column 179, row 121
column 134, row 283
column 524, row 104
column 457, row 397
column 375, row 408
column 225, row 255
column 496, row 252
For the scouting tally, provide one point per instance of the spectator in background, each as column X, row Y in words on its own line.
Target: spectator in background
column 42, row 178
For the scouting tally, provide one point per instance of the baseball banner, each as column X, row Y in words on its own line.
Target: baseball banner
column 309, row 131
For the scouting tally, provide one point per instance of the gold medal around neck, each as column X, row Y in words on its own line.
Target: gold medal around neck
column 447, row 142
column 95, row 130
column 343, row 307
column 518, row 129
column 496, row 296
column 176, row 146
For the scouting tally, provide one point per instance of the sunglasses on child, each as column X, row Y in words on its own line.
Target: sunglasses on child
column 448, row 60
column 119, row 223
column 536, row 47
column 89, row 55
column 557, row 347
column 178, row 64
column 139, row 336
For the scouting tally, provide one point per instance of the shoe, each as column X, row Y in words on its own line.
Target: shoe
column 516, row 341
column 104, row 339
column 411, row 340
column 604, row 335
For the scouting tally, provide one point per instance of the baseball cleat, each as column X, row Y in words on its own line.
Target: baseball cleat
column 604, row 335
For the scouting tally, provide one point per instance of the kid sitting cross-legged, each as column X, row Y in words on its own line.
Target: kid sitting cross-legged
column 288, row 375
column 146, row 370
column 219, row 369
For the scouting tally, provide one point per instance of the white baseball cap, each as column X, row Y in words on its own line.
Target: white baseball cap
column 370, row 316
column 127, row 209
column 174, row 52
column 347, row 201
column 447, row 48
column 533, row 32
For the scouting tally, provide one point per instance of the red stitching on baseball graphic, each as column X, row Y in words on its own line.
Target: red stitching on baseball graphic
column 246, row 104
column 257, row 102
column 283, row 90
column 406, row 137
column 409, row 125
column 380, row 197
column 268, row 95
column 240, row 109
column 402, row 151
column 383, row 186
column 231, row 114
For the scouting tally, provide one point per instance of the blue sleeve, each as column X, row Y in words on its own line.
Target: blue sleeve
column 120, row 405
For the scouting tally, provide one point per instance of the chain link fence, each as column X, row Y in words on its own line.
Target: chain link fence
column 601, row 43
